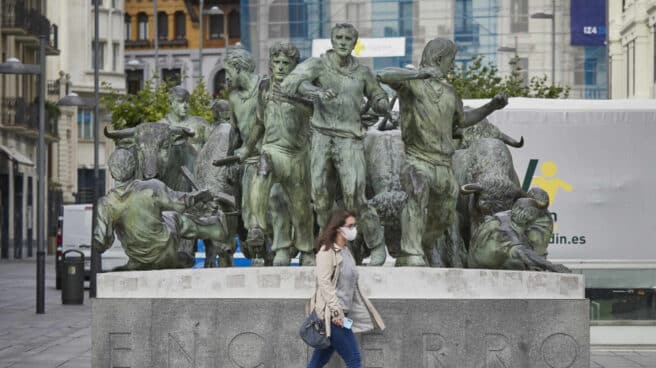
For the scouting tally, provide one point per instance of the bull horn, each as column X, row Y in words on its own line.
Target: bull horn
column 183, row 130
column 471, row 188
column 511, row 141
column 119, row 134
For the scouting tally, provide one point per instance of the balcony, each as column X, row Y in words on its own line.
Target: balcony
column 23, row 119
column 18, row 20
column 178, row 42
column 136, row 43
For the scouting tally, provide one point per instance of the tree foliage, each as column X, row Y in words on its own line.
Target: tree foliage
column 482, row 80
column 151, row 104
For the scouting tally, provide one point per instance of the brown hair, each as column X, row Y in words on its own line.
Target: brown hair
column 327, row 238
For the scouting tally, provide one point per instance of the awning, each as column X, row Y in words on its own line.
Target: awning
column 16, row 156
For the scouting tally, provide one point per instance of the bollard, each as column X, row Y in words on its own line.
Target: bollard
column 73, row 278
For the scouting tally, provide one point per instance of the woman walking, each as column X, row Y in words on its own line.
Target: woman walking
column 338, row 299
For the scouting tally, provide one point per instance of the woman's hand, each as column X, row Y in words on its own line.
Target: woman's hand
column 338, row 322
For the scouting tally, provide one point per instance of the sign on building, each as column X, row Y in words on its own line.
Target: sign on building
column 588, row 22
column 366, row 47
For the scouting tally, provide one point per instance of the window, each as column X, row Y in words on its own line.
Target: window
column 278, row 20
column 115, row 4
column 522, row 69
column 519, row 16
column 172, row 75
column 115, row 56
column 405, row 18
column 101, row 55
column 353, row 12
column 585, row 72
column 134, row 81
column 162, row 26
column 85, row 124
column 653, row 35
column 180, row 25
column 142, row 19
column 234, row 27
column 128, row 27
column 216, row 26
column 298, row 19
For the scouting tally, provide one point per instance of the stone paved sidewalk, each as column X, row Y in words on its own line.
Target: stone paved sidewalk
column 61, row 338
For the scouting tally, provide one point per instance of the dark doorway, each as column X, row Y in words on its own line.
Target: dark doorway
column 134, row 81
column 85, row 184
column 172, row 75
column 220, row 84
column 4, row 215
column 18, row 216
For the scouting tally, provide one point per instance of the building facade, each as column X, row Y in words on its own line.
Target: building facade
column 22, row 22
column 73, row 72
column 178, row 46
column 632, row 48
column 479, row 27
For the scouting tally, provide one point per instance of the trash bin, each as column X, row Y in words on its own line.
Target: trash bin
column 73, row 277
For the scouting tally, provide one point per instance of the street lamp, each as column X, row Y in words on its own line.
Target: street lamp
column 72, row 99
column 134, row 63
column 215, row 10
column 509, row 49
column 14, row 66
column 551, row 16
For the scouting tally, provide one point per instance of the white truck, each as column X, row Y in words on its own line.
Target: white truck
column 75, row 233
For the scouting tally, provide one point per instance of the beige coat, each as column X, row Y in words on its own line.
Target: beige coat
column 326, row 304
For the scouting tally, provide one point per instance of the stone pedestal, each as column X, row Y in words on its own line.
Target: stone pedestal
column 249, row 318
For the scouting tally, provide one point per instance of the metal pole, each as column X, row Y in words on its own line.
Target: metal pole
column 225, row 31
column 553, row 42
column 200, row 43
column 41, row 185
column 95, row 257
column 156, row 41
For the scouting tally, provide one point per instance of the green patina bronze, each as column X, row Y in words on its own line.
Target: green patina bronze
column 178, row 116
column 150, row 219
column 338, row 85
column 283, row 123
column 244, row 85
column 516, row 239
column 430, row 110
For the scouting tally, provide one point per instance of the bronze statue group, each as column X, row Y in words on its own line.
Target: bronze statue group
column 433, row 185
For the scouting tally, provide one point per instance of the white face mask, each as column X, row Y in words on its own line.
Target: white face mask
column 349, row 233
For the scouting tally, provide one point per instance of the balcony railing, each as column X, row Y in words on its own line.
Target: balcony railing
column 16, row 15
column 137, row 43
column 19, row 116
column 176, row 42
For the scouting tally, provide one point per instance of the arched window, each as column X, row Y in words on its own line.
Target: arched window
column 162, row 26
column 128, row 27
column 180, row 25
column 216, row 26
column 142, row 19
column 234, row 29
column 219, row 83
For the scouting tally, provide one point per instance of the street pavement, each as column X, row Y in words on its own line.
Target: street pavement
column 61, row 337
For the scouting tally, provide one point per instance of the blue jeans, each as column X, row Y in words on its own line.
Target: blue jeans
column 343, row 341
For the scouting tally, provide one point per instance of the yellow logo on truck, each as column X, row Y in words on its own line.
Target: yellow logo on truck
column 549, row 182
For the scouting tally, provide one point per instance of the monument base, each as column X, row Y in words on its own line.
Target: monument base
column 250, row 318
